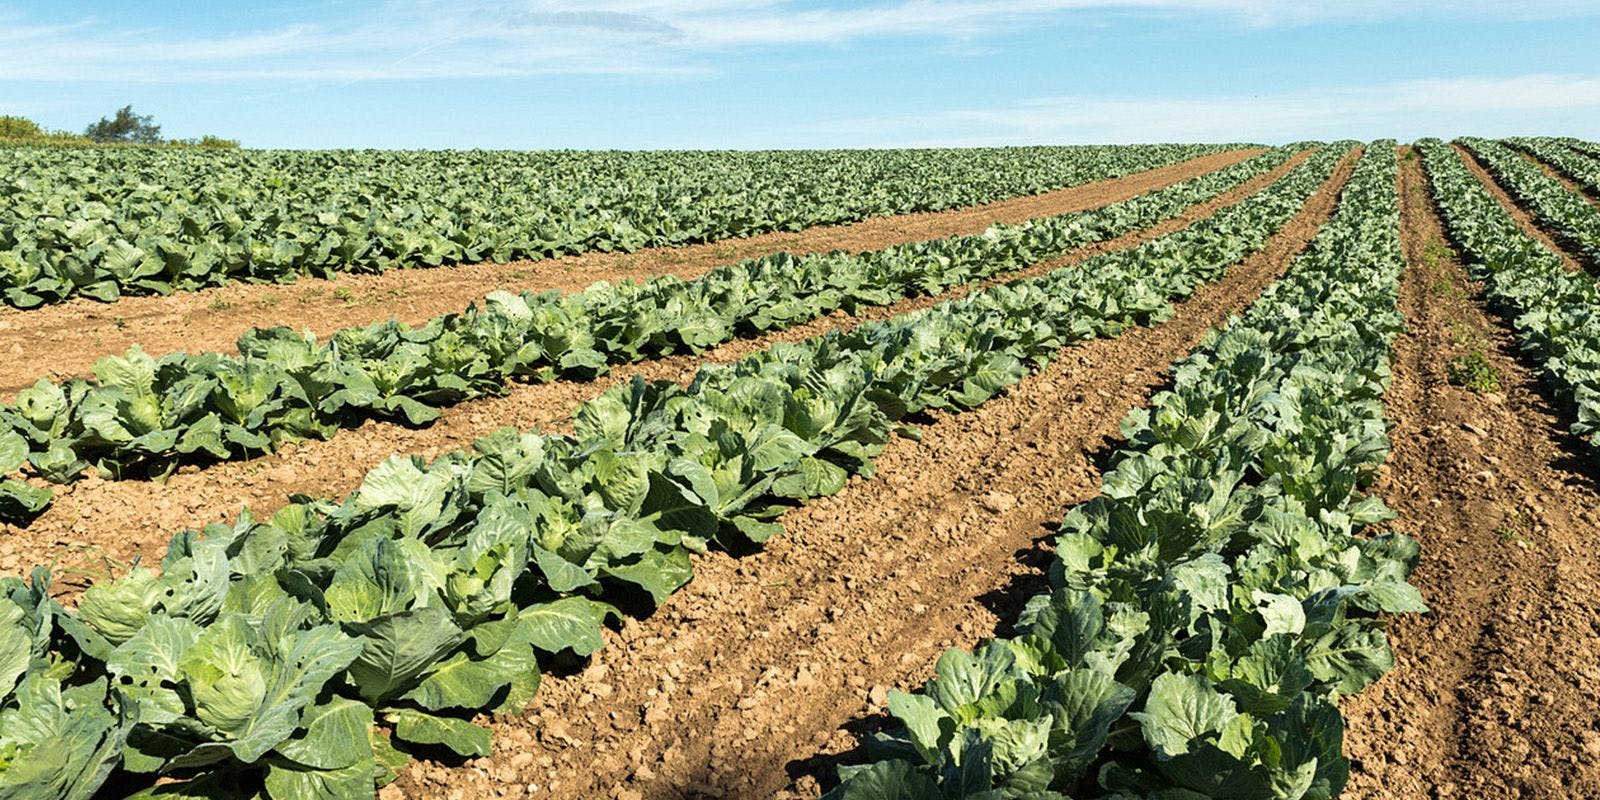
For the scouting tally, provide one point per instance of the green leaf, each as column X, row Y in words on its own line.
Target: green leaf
column 417, row 496
column 204, row 435
column 1269, row 676
column 287, row 782
column 659, row 573
column 1282, row 613
column 813, row 477
column 755, row 530
column 70, row 744
column 227, row 677
column 465, row 682
column 561, row 575
column 398, row 649
column 133, row 372
column 886, row 780
column 1180, row 711
column 252, row 688
column 922, row 719
column 1083, row 705
column 16, row 648
column 571, row 623
column 122, row 258
column 334, row 737
column 506, row 458
column 1391, row 597
column 1349, row 657
column 22, row 501
column 623, row 480
column 1071, row 620
column 117, row 609
column 387, row 761
column 965, row 679
column 147, row 667
column 13, row 451
column 1205, row 579
column 461, row 736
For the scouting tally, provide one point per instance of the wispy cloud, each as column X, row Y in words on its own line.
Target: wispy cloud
column 787, row 24
column 1404, row 109
column 402, row 40
column 434, row 39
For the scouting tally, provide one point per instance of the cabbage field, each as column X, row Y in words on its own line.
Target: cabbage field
column 1152, row 471
column 127, row 221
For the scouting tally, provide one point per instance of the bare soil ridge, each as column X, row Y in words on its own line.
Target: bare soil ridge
column 61, row 341
column 96, row 519
column 1496, row 691
column 733, row 686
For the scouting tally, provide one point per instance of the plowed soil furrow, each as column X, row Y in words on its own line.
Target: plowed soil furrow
column 64, row 340
column 1496, row 691
column 737, row 681
column 96, row 519
column 1530, row 224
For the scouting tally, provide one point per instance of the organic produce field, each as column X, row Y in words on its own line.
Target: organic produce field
column 1143, row 471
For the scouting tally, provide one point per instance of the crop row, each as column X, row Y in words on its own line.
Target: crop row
column 1575, row 221
column 265, row 655
column 1582, row 168
column 1211, row 605
column 141, row 415
column 1555, row 312
column 1586, row 147
column 101, row 223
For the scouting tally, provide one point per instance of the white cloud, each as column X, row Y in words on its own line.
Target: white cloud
column 784, row 24
column 1403, row 109
column 426, row 39
column 406, row 40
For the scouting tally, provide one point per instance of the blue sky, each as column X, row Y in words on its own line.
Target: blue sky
column 718, row 73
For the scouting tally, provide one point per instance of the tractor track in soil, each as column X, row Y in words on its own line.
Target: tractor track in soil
column 96, row 519
column 738, row 681
column 1496, row 691
column 64, row 340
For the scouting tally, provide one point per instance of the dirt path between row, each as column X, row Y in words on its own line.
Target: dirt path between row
column 64, row 340
column 1530, row 223
column 740, row 679
column 96, row 519
column 1496, row 691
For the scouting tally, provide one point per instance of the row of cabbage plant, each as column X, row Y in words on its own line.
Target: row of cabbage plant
column 141, row 416
column 311, row 654
column 1209, row 608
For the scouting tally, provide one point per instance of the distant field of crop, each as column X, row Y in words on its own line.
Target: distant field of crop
column 105, row 222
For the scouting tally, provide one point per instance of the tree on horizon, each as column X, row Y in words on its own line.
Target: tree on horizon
column 126, row 126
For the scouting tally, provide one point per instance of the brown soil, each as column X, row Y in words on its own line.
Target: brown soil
column 733, row 686
column 96, row 519
column 1529, row 223
column 1496, row 692
column 64, row 340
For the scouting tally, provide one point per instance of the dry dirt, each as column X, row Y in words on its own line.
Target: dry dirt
column 738, row 681
column 1496, row 692
column 64, row 340
column 94, row 519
